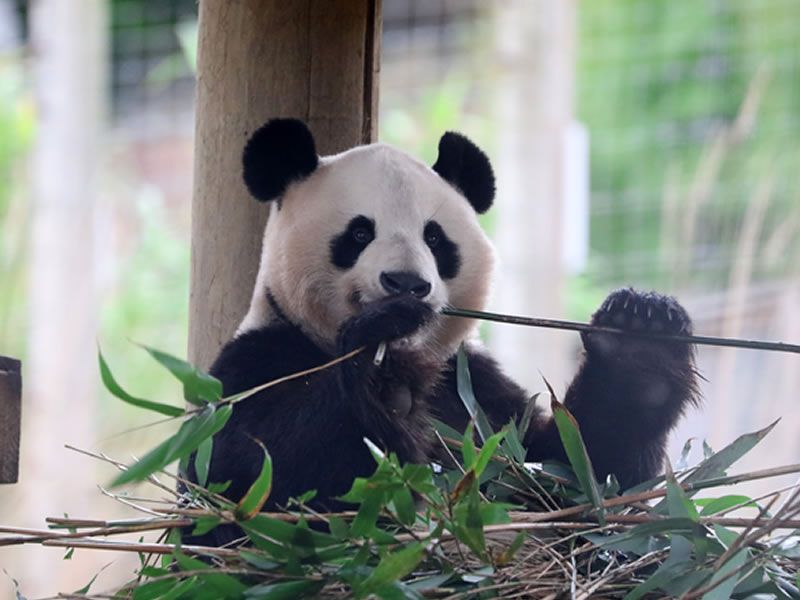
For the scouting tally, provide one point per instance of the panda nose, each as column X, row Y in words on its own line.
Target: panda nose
column 402, row 282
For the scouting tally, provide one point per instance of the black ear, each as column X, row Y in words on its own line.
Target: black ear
column 278, row 153
column 467, row 168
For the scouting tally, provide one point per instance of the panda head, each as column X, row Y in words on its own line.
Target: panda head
column 352, row 228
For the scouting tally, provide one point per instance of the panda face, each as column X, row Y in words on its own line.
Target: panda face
column 369, row 223
column 353, row 228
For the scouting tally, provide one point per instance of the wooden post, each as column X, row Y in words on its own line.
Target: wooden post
column 10, row 407
column 257, row 59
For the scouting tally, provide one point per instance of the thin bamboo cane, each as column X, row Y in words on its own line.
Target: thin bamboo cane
column 576, row 326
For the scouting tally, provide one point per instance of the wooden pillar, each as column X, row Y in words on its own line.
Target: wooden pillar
column 257, row 59
column 10, row 401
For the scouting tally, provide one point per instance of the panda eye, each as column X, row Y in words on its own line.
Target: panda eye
column 362, row 235
column 432, row 239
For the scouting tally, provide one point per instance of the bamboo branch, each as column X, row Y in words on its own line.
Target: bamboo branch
column 576, row 326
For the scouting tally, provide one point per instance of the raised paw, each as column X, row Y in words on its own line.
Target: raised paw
column 629, row 309
column 384, row 320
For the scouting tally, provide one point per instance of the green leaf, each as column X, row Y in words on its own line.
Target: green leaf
column 468, row 525
column 199, row 388
column 468, row 446
column 712, row 506
column 339, row 528
column 252, row 502
column 467, row 395
column 85, row 589
column 487, row 452
column 392, row 567
column 154, row 589
column 683, row 461
column 578, row 457
column 648, row 530
column 202, row 460
column 508, row 554
column 224, row 585
column 374, row 500
column 288, row 590
column 114, row 388
column 715, row 465
column 182, row 590
column 219, row 488
column 725, row 588
column 679, row 504
column 191, row 434
column 404, row 505
column 203, row 525
column 527, row 416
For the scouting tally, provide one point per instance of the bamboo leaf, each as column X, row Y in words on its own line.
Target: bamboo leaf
column 202, row 460
column 715, row 465
column 191, row 434
column 467, row 395
column 712, row 506
column 115, row 389
column 252, row 502
column 404, row 505
column 468, row 446
column 199, row 387
column 392, row 567
column 487, row 452
column 725, row 587
column 570, row 434
column 288, row 590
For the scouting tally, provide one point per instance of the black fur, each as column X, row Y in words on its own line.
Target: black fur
column 467, row 168
column 445, row 251
column 627, row 396
column 280, row 152
column 347, row 247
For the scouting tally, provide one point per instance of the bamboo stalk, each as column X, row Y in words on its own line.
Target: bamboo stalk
column 35, row 536
column 140, row 547
column 704, row 340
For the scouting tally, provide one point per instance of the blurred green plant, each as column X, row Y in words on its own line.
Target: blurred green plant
column 658, row 84
column 17, row 127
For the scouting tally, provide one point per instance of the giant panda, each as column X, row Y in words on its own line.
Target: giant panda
column 368, row 246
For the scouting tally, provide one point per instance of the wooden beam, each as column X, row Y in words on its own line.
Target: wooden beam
column 10, row 411
column 257, row 59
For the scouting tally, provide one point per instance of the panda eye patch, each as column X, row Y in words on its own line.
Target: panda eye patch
column 445, row 251
column 348, row 245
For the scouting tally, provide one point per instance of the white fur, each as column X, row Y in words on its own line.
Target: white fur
column 400, row 194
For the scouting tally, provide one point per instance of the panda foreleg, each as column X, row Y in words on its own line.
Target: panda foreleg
column 630, row 392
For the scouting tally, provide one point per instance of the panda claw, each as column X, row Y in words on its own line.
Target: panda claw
column 669, row 314
column 610, row 305
column 636, row 308
column 627, row 301
column 649, row 312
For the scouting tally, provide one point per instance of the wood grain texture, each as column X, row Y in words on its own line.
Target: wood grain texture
column 316, row 60
column 10, row 412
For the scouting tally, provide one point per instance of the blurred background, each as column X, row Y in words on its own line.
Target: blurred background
column 648, row 143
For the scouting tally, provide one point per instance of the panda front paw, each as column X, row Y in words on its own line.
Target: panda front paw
column 632, row 310
column 384, row 320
